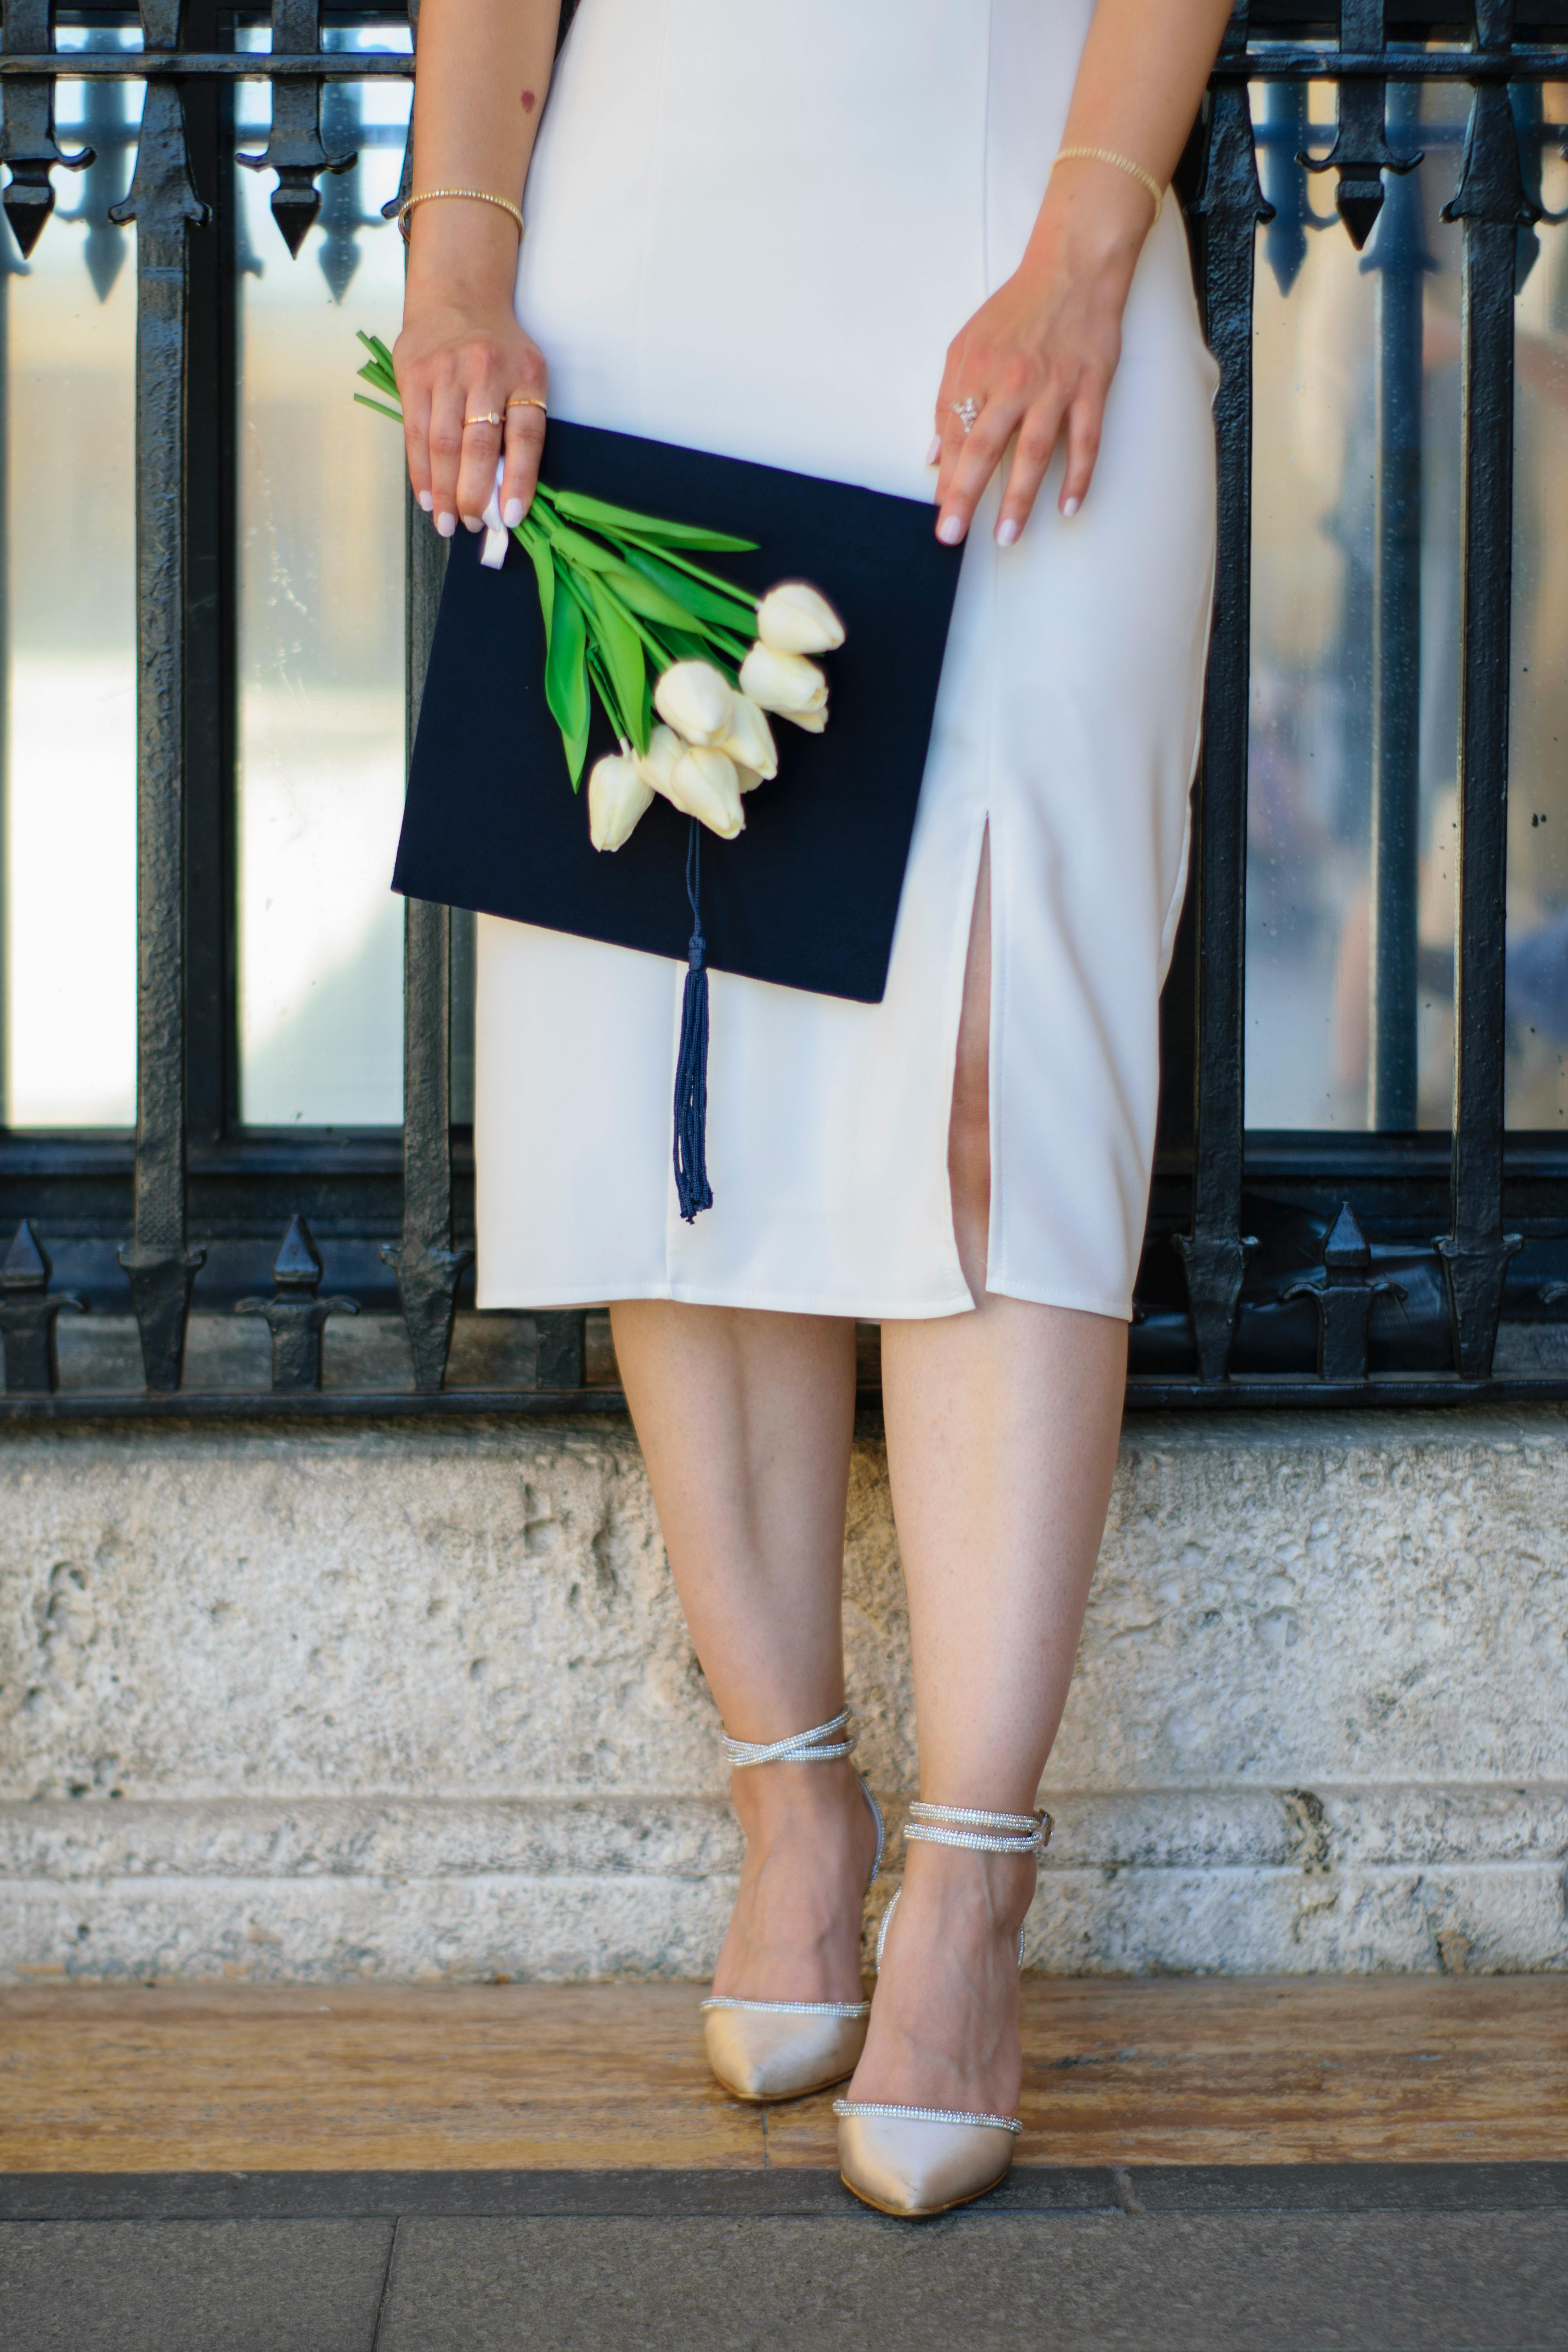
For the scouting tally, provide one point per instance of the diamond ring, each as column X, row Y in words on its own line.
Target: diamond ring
column 967, row 412
column 488, row 416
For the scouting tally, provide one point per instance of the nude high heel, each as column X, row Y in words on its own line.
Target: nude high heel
column 785, row 2049
column 916, row 2161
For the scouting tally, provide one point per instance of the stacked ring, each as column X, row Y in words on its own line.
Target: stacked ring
column 524, row 400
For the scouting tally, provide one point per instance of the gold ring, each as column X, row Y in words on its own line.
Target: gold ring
column 524, row 400
column 491, row 416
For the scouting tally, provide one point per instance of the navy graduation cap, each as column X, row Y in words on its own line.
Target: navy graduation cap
column 807, row 896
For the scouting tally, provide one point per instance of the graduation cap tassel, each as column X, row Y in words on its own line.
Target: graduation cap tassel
column 692, row 1188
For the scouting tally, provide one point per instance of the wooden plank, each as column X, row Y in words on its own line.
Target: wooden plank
column 1283, row 2070
column 1167, row 2071
column 376, row 2077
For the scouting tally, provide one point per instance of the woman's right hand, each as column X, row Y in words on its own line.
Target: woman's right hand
column 462, row 354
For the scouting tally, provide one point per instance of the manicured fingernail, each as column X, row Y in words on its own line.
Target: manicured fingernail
column 472, row 522
column 934, row 452
column 512, row 513
column 1070, row 506
column 950, row 530
column 426, row 501
column 1006, row 532
column 446, row 524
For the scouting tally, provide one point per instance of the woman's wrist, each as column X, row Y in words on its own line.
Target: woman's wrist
column 1092, row 224
column 460, row 254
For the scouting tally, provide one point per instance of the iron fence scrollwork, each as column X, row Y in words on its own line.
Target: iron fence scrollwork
column 1368, row 1201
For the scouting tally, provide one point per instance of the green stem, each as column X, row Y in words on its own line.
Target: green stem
column 667, row 555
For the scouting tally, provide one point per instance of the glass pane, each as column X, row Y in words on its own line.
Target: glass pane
column 321, row 630
column 1355, row 619
column 67, row 654
column 1537, row 1075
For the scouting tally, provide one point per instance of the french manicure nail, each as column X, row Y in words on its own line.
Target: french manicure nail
column 950, row 530
column 446, row 524
column 511, row 513
column 1006, row 532
column 1070, row 508
column 934, row 452
column 426, row 501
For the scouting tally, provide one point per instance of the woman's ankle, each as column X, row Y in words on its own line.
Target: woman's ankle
column 988, row 1893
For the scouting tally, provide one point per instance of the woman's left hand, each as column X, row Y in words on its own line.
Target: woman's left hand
column 1037, row 360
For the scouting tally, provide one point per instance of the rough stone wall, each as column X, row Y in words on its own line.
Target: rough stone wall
column 416, row 1699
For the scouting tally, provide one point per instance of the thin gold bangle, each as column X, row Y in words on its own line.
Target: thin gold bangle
column 474, row 197
column 1123, row 162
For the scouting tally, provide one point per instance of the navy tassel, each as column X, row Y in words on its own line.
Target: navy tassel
column 692, row 1188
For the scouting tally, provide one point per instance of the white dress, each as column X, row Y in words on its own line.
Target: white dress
column 754, row 226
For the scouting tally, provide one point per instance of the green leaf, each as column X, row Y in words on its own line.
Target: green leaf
column 622, row 649
column 570, row 547
column 644, row 596
column 566, row 682
column 733, row 609
column 538, row 552
column 606, row 517
column 380, row 406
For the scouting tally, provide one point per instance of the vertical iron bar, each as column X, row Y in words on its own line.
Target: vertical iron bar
column 163, row 205
column 427, row 1268
column 1399, row 257
column 1492, row 204
column 1231, row 205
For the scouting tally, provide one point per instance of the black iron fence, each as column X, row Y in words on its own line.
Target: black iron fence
column 1284, row 1267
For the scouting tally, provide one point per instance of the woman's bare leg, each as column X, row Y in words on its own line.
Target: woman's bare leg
column 745, row 1422
column 1002, row 1434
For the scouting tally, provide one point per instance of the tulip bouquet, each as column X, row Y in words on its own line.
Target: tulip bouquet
column 687, row 664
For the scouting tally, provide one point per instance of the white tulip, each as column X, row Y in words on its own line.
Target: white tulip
column 694, row 698
column 814, row 722
column 750, row 743
column 748, row 778
column 703, row 785
column 618, row 797
column 782, row 682
column 656, row 764
column 794, row 619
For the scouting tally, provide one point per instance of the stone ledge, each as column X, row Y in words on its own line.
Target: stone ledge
column 248, row 1675
column 1496, row 1918
column 1314, row 1831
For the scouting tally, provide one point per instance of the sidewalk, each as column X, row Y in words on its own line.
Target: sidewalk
column 1351, row 2163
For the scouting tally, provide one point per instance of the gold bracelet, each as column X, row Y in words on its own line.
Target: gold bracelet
column 1123, row 162
column 474, row 197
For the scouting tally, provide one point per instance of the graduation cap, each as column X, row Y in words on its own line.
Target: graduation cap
column 807, row 896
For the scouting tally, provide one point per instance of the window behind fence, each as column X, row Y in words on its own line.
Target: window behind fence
column 236, row 1073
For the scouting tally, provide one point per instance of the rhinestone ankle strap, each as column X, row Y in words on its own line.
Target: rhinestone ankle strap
column 980, row 1832
column 815, row 1747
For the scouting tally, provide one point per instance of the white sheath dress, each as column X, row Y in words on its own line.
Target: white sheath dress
column 754, row 226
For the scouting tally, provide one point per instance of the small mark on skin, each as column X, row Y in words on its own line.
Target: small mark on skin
column 529, row 101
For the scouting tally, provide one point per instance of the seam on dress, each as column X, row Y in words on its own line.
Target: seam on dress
column 1174, row 906
column 996, row 1026
column 655, row 154
column 986, row 155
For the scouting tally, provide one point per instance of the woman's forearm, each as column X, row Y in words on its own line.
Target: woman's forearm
column 462, row 360
column 1032, row 367
column 483, row 71
column 1143, row 73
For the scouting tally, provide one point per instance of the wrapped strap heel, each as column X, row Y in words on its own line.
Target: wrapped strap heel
column 915, row 2161
column 761, row 2050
